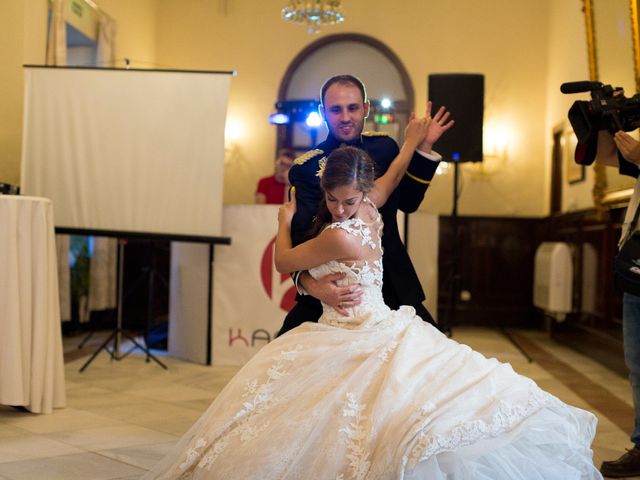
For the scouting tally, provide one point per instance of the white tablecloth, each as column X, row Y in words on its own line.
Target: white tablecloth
column 31, row 360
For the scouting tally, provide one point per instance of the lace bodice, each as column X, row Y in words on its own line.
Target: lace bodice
column 366, row 270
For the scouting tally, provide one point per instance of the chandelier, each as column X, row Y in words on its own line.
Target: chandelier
column 314, row 13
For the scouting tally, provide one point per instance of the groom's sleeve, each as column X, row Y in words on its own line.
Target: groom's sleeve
column 417, row 179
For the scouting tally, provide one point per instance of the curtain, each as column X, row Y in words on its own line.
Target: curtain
column 102, row 274
column 102, row 271
column 102, row 267
column 64, row 276
column 57, row 39
column 106, row 53
column 57, row 55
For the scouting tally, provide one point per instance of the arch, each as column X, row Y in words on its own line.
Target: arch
column 348, row 37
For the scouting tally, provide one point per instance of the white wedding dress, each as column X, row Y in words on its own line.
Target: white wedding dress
column 380, row 395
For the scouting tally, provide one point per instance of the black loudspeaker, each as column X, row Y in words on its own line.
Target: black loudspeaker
column 463, row 95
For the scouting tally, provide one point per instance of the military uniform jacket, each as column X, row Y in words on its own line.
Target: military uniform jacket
column 400, row 278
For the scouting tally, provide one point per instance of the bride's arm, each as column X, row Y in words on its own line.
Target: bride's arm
column 332, row 244
column 414, row 133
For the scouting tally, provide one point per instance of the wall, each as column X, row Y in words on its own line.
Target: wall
column 505, row 40
column 11, row 33
column 23, row 25
column 568, row 62
column 524, row 52
column 136, row 37
column 23, row 37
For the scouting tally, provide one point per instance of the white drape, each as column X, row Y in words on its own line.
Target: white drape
column 102, row 270
column 31, row 361
column 57, row 39
column 57, row 56
column 102, row 274
column 107, row 30
column 64, row 276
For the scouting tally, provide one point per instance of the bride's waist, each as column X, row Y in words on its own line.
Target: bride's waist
column 371, row 309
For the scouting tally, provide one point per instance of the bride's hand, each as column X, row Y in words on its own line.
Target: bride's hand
column 286, row 211
column 416, row 131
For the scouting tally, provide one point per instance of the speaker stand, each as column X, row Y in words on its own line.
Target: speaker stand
column 454, row 278
column 450, row 317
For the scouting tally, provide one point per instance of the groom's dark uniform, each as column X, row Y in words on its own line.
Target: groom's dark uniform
column 400, row 281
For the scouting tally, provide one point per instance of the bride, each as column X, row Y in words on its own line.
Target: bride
column 378, row 394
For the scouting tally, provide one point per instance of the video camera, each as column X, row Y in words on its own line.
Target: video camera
column 605, row 111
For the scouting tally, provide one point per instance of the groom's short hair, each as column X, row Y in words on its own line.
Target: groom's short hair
column 343, row 80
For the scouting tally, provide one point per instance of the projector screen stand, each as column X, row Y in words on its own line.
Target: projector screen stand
column 116, row 336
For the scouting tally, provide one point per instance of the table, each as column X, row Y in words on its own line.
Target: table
column 31, row 359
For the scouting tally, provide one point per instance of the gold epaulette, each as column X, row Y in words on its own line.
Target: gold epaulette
column 307, row 156
column 376, row 134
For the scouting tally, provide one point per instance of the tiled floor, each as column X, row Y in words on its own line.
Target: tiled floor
column 122, row 416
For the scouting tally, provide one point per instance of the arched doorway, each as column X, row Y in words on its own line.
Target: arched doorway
column 367, row 58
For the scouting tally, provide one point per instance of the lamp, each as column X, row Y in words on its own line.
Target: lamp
column 234, row 131
column 498, row 139
column 279, row 118
column 314, row 13
column 313, row 120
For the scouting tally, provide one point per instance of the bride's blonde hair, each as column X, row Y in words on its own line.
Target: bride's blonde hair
column 344, row 166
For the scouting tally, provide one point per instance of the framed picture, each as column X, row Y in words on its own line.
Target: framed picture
column 574, row 173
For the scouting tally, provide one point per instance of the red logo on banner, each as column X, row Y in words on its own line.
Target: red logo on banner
column 267, row 272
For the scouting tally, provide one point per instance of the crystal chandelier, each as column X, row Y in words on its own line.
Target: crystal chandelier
column 313, row 12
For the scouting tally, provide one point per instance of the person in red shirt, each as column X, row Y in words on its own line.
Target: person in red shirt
column 272, row 189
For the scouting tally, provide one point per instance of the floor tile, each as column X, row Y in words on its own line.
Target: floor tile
column 60, row 420
column 106, row 438
column 32, row 446
column 143, row 456
column 83, row 466
column 122, row 417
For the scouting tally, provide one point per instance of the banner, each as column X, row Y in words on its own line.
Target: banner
column 250, row 298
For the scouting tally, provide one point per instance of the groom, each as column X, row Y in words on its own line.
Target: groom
column 344, row 107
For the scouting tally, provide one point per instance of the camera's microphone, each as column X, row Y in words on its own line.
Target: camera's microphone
column 578, row 87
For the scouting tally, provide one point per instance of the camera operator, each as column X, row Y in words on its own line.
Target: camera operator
column 623, row 151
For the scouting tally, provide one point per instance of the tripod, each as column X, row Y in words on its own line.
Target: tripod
column 454, row 279
column 119, row 332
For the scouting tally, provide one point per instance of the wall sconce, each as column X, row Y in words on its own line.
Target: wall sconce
column 496, row 142
column 497, row 139
column 233, row 132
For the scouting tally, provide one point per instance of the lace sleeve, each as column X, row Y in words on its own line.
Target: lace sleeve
column 357, row 228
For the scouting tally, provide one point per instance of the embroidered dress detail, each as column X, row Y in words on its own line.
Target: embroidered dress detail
column 357, row 454
column 505, row 418
column 358, row 228
column 380, row 395
column 257, row 397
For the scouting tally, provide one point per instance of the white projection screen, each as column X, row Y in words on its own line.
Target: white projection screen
column 127, row 151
